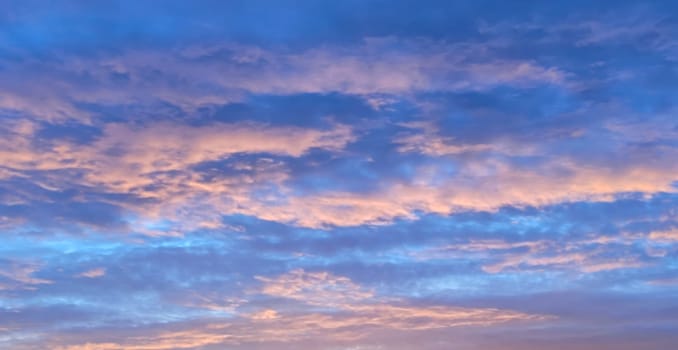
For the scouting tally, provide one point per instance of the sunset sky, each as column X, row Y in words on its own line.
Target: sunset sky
column 339, row 175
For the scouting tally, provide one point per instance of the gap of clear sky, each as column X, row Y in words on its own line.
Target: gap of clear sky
column 339, row 175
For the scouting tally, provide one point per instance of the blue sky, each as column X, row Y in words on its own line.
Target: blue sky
column 338, row 175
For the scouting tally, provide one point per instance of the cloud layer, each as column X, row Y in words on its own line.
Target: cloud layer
column 347, row 175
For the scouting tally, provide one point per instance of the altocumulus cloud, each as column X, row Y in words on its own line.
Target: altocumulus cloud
column 338, row 175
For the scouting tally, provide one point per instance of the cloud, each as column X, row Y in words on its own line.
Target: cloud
column 483, row 185
column 316, row 288
column 338, row 292
column 269, row 175
column 665, row 236
column 425, row 140
column 201, row 75
column 584, row 255
column 165, row 147
column 156, row 162
column 147, row 106
column 355, row 317
column 16, row 275
column 93, row 273
column 188, row 339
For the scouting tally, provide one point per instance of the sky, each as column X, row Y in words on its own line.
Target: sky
column 338, row 175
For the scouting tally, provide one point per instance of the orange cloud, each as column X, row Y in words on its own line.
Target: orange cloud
column 584, row 255
column 665, row 236
column 19, row 275
column 156, row 162
column 93, row 273
column 478, row 185
column 356, row 316
column 372, row 67
column 316, row 288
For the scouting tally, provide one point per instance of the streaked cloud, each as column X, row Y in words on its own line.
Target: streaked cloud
column 93, row 273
